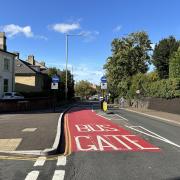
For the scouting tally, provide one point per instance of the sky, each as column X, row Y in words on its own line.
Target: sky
column 38, row 27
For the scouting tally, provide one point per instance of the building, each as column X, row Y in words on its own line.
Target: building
column 7, row 62
column 30, row 76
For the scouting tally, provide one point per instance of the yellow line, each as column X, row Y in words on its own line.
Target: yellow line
column 69, row 135
column 66, row 135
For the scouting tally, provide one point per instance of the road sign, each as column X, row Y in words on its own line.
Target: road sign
column 54, row 85
column 103, row 79
column 55, row 79
column 103, row 85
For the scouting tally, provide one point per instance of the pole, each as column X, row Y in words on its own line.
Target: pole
column 66, row 83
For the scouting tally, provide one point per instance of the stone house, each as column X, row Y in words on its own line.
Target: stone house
column 29, row 76
column 7, row 62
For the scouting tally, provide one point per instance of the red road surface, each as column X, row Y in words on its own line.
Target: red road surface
column 90, row 132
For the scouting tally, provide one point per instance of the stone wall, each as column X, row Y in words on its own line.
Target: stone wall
column 158, row 104
column 166, row 105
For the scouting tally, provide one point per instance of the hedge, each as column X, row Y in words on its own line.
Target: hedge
column 167, row 88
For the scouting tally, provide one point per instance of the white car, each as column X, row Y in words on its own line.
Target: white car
column 12, row 95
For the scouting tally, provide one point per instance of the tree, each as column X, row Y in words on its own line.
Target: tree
column 70, row 84
column 174, row 65
column 130, row 55
column 162, row 53
column 84, row 89
column 53, row 71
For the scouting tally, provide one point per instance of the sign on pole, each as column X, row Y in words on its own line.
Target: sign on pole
column 55, row 79
column 55, row 82
column 54, row 85
column 103, row 85
column 103, row 79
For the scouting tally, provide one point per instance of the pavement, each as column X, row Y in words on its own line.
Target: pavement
column 28, row 133
column 173, row 118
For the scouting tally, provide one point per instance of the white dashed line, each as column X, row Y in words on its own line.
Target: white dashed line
column 58, row 175
column 61, row 161
column 29, row 129
column 40, row 161
column 122, row 117
column 103, row 117
column 33, row 175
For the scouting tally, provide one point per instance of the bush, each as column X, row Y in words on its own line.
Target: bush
column 167, row 88
column 150, row 86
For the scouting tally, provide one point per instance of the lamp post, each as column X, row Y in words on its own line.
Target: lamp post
column 67, row 51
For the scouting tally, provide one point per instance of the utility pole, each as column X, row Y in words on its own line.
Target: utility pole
column 66, row 83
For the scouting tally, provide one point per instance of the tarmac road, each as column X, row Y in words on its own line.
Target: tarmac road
column 116, row 165
column 125, row 146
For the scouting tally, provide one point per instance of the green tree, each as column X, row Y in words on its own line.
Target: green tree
column 162, row 53
column 174, row 65
column 70, row 84
column 53, row 71
column 130, row 55
column 84, row 89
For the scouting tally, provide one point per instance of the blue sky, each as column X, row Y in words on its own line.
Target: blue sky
column 38, row 26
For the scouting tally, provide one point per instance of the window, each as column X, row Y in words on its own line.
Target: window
column 6, row 64
column 5, row 85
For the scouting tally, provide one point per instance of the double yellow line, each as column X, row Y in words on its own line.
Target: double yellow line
column 68, row 142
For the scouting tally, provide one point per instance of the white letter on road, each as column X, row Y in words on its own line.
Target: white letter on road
column 108, row 144
column 82, row 128
column 84, row 141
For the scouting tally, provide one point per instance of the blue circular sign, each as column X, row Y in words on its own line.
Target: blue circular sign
column 103, row 79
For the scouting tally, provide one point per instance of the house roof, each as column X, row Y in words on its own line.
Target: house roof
column 24, row 68
column 7, row 52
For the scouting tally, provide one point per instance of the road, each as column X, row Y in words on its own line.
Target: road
column 135, row 163
column 100, row 146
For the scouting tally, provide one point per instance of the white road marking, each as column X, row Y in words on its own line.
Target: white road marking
column 104, row 117
column 40, row 161
column 152, row 134
column 61, row 161
column 58, row 175
column 29, row 129
column 122, row 117
column 33, row 175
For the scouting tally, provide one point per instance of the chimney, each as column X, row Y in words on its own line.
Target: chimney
column 17, row 54
column 3, row 41
column 31, row 59
column 42, row 63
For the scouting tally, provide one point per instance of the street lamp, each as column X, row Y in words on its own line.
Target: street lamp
column 66, row 82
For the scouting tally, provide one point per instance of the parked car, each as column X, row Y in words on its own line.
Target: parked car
column 12, row 95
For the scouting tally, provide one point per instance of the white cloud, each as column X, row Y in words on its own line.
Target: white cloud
column 89, row 35
column 117, row 28
column 12, row 30
column 65, row 27
column 41, row 37
column 82, row 72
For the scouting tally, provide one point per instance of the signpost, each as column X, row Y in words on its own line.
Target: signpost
column 54, row 86
column 104, row 88
column 55, row 82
